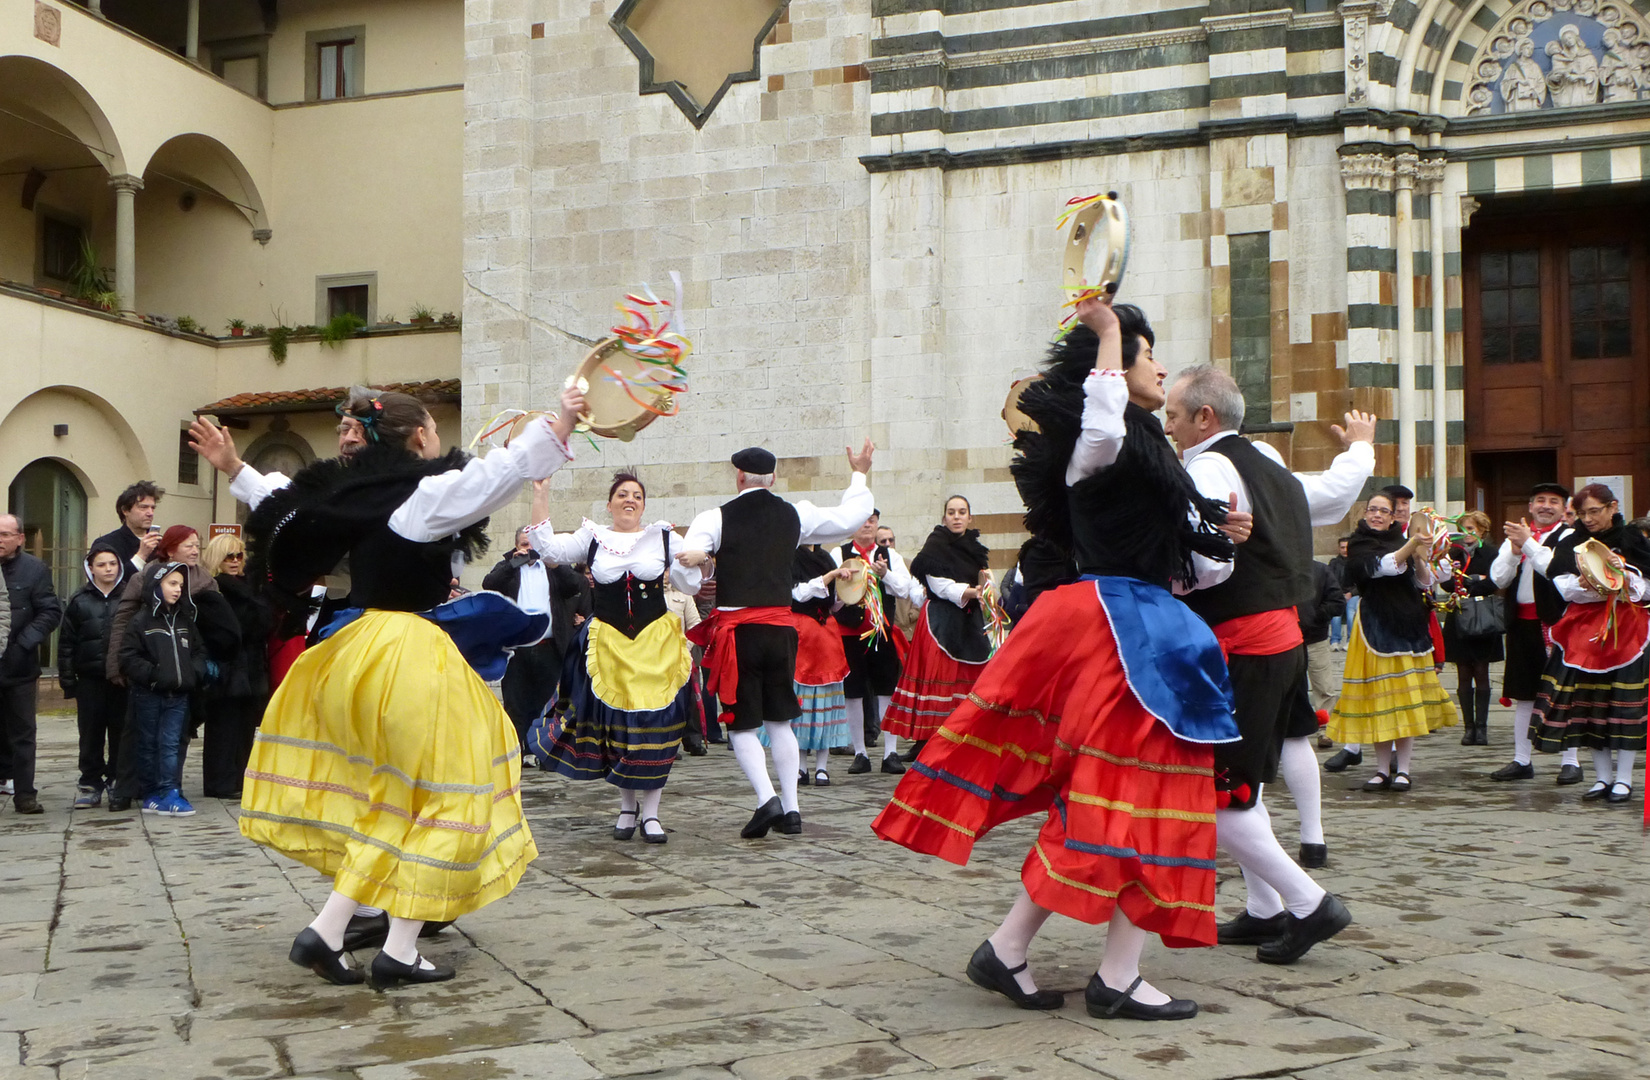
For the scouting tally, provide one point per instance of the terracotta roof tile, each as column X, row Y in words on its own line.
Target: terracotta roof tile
column 432, row 391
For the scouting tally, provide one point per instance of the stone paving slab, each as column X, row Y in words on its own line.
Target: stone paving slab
column 1498, row 932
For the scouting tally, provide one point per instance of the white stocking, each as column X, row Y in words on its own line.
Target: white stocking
column 787, row 760
column 1624, row 766
column 650, row 810
column 402, row 942
column 1572, row 756
column 1383, row 758
column 1246, row 835
column 1121, row 964
column 1299, row 766
column 334, row 918
column 856, row 724
column 1404, row 747
column 747, row 751
column 1352, row 747
column 1012, row 940
column 821, row 757
column 1522, row 749
column 890, row 747
column 1603, row 766
column 627, row 801
column 368, row 912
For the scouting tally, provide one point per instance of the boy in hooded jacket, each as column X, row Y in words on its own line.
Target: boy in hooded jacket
column 162, row 660
column 82, row 642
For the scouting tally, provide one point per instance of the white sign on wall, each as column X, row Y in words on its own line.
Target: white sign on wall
column 1621, row 485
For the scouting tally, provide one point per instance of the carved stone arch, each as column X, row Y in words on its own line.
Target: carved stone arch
column 1550, row 54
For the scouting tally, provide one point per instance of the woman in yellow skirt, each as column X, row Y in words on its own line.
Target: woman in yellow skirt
column 384, row 761
column 1390, row 691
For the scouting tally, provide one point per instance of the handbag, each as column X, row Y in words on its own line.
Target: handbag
column 1481, row 616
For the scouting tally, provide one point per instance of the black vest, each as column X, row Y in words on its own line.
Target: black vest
column 810, row 563
column 1273, row 568
column 391, row 573
column 760, row 535
column 630, row 604
column 1549, row 602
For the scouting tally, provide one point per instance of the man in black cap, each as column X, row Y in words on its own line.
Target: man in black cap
column 1533, row 607
column 750, row 642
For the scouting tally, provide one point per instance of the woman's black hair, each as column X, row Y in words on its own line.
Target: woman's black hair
column 626, row 478
column 1132, row 322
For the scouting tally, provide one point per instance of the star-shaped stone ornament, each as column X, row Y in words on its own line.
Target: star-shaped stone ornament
column 694, row 50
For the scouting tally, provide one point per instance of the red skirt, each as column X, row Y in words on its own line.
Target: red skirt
column 1052, row 726
column 820, row 658
column 930, row 687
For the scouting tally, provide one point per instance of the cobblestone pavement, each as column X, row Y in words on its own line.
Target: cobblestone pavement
column 1499, row 932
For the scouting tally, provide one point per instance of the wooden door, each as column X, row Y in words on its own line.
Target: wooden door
column 1557, row 344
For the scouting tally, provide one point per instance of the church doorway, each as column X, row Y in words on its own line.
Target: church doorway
column 1557, row 346
column 50, row 505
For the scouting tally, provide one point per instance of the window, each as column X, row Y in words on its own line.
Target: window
column 335, row 70
column 189, row 462
column 347, row 300
column 1251, row 277
column 60, row 244
column 353, row 294
column 1600, row 307
column 243, row 63
column 1509, row 306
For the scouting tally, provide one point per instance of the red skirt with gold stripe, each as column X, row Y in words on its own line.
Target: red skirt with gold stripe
column 1053, row 727
column 930, row 687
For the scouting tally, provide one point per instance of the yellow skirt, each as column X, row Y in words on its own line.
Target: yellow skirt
column 385, row 763
column 1387, row 697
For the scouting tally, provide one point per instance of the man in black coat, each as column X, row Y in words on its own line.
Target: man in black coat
column 531, row 678
column 137, row 536
column 35, row 613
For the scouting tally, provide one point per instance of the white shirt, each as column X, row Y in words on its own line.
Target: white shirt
column 1571, row 587
column 641, row 554
column 1388, row 567
column 1533, row 558
column 1105, row 396
column 533, row 590
column 252, row 487
column 820, row 524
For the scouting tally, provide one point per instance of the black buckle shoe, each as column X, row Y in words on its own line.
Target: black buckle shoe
column 862, row 764
column 1314, row 856
column 766, row 817
column 659, row 837
column 627, row 831
column 1299, row 935
column 1104, row 1003
column 1598, row 791
column 985, row 970
column 1343, row 759
column 790, row 824
column 802, row 778
column 366, row 931
column 1624, row 794
column 1514, row 770
column 1249, row 929
column 387, row 971
column 311, row 951
column 1569, row 774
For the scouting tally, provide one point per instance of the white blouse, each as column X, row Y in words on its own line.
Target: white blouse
column 617, row 553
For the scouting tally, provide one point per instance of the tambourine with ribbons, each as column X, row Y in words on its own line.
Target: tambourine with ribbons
column 851, row 589
column 1096, row 251
column 1604, row 572
column 635, row 375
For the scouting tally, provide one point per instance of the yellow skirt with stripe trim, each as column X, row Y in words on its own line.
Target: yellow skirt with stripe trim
column 1388, row 697
column 386, row 763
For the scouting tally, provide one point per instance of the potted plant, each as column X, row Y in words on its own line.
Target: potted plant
column 343, row 326
column 255, row 330
column 423, row 315
column 278, row 337
column 108, row 300
column 86, row 279
column 237, row 327
column 448, row 320
column 387, row 320
column 187, row 325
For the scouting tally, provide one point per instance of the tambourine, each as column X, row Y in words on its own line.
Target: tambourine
column 1016, row 420
column 851, row 590
column 1435, row 525
column 617, row 408
column 1097, row 246
column 1601, row 569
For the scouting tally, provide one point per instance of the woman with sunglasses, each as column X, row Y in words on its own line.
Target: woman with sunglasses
column 234, row 703
column 1390, row 692
column 1593, row 691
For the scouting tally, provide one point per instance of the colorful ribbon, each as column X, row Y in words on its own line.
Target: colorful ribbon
column 997, row 622
column 874, row 611
column 1075, row 294
column 652, row 334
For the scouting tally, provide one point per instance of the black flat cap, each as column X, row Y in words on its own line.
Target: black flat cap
column 1550, row 488
column 754, row 460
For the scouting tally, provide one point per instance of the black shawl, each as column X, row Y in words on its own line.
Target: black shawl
column 1136, row 508
column 1620, row 538
column 1392, row 613
column 958, row 556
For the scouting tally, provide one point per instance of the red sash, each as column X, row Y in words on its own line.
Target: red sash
column 721, row 661
column 1265, row 633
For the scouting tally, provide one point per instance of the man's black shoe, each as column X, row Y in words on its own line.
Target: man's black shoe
column 1314, row 856
column 1343, row 758
column 862, row 764
column 366, row 931
column 790, row 824
column 1513, row 770
column 893, row 765
column 28, row 804
column 1569, row 774
column 766, row 817
column 1328, row 919
column 116, row 805
column 1248, row 929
